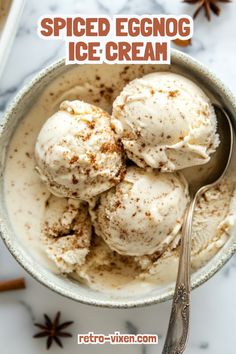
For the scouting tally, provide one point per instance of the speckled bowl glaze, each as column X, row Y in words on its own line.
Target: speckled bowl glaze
column 71, row 289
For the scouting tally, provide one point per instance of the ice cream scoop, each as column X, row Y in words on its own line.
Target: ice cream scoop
column 168, row 122
column 143, row 213
column 66, row 232
column 77, row 153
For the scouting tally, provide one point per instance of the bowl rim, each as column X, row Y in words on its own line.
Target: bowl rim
column 117, row 303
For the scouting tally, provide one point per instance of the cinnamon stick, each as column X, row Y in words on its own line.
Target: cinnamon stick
column 12, row 284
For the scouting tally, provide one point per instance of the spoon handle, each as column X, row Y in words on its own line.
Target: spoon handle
column 177, row 333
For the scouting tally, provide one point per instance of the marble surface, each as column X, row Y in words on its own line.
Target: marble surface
column 213, row 324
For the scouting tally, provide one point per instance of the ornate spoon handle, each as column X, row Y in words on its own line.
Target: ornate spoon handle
column 177, row 333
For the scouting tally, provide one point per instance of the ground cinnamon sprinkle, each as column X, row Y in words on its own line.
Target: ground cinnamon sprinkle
column 173, row 93
column 108, row 147
column 92, row 158
column 91, row 124
column 74, row 159
column 74, row 179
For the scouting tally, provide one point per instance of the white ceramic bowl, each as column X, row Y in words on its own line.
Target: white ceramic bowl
column 76, row 291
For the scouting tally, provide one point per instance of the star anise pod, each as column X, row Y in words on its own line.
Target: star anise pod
column 53, row 330
column 208, row 5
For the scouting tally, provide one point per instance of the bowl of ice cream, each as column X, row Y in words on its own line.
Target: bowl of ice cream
column 96, row 161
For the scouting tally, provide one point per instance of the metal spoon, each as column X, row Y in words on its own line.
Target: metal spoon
column 206, row 177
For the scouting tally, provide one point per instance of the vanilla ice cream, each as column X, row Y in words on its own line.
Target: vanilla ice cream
column 66, row 232
column 143, row 213
column 77, row 152
column 168, row 122
column 58, row 232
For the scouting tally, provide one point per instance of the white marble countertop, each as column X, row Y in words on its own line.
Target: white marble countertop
column 213, row 324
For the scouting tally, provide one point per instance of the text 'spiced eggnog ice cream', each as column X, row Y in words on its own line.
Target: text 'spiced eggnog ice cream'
column 143, row 213
column 103, row 203
column 77, row 154
column 168, row 122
